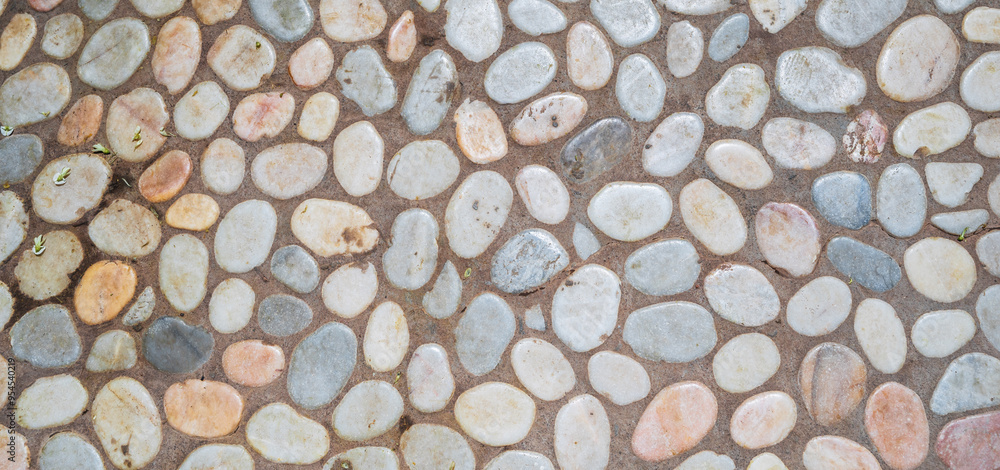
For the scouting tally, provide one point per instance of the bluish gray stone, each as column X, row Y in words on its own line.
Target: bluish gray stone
column 114, row 53
column 429, row 95
column 528, row 260
column 671, row 332
column 866, row 265
column 901, row 200
column 640, row 88
column 443, row 298
column 843, row 198
column 69, row 450
column 46, row 337
column 971, row 382
column 961, row 222
column 294, row 267
column 988, row 313
column 97, row 10
column 286, row 20
column 171, row 345
column 321, row 364
column 665, row 267
column 483, row 333
column 729, row 37
column 596, row 149
column 851, row 23
column 283, row 315
column 19, row 156
column 365, row 81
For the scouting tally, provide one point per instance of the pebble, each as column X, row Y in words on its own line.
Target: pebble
column 617, row 377
column 244, row 236
column 797, row 145
column 429, row 379
column 402, row 38
column 707, row 460
column 238, row 61
column 766, row 461
column 377, row 458
column 112, row 55
column 640, row 88
column 165, row 177
column 987, row 138
column 517, row 459
column 696, row 7
column 746, row 362
column 473, row 27
column 350, row 289
column 988, row 312
column 712, row 217
column 68, row 450
column 901, row 200
column 469, row 230
column 675, row 421
column 534, row 318
column 223, row 165
column 215, row 11
column 542, row 193
column 629, row 211
column 283, row 315
column 203, row 408
column 483, row 333
column 311, row 64
column 865, row 137
column 140, row 111
column 7, row 310
column 596, row 149
column 987, row 249
column 282, row 435
column 819, row 307
column 950, row 7
column 286, row 20
column 763, row 420
column 34, row 94
column 729, row 37
column 589, row 60
column 184, row 272
column 527, row 261
column 942, row 332
column 34, row 408
column 740, row 97
column 979, row 25
column 585, row 307
column 365, row 81
column 201, row 111
column 685, row 49
column 294, row 267
column 127, row 423
column 548, row 118
column 171, row 345
column 357, row 158
column 192, row 211
column 231, row 305
column 816, row 80
column 253, row 363
column 967, row 443
column 288, row 170
column 582, row 434
column 157, row 9
column 141, row 309
column 931, row 130
column 536, row 17
column 520, row 72
column 673, row 332
column 673, row 144
column 584, row 241
column 628, row 22
column 103, row 291
column 479, row 132
column 430, row 92
column 881, row 335
column 495, row 413
column 666, row 267
column 958, row 223
column 835, row 452
column 63, row 36
column 542, row 369
column 951, row 183
column 774, row 15
column 971, row 382
column 442, row 300
column 940, row 269
column 41, row 277
column 869, row 266
column 221, row 456
column 739, row 164
column 333, row 227
column 977, row 85
column 177, row 53
column 993, row 195
column 20, row 448
column 832, row 382
column 319, row 117
column 112, row 351
column 81, row 122
column 432, row 446
column 387, row 337
column 20, row 155
column 742, row 295
column 352, row 20
column 368, row 410
column 321, row 364
column 897, row 424
column 44, row 5
column 843, row 198
column 918, row 60
column 263, row 115
column 421, row 170
column 98, row 10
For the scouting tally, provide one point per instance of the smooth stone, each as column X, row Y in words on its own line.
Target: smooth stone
column 931, row 130
column 127, row 423
column 584, row 241
column 774, row 15
column 766, row 461
column 375, row 458
column 244, row 236
column 421, row 170
column 141, row 309
column 112, row 55
column 543, row 194
column 321, row 364
column 19, row 156
column 201, row 111
column 628, row 22
column 429, row 379
column 640, row 88
column 596, row 149
column 165, row 177
column 940, row 269
column 479, row 132
column 835, row 452
column 157, row 9
column 333, row 227
column 542, row 369
column 519, row 459
column 958, row 223
column 763, row 420
column 434, row 446
column 729, row 37
column 171, row 345
column 319, row 117
column 286, row 20
column 629, row 212
column 81, row 122
column 967, row 442
column 402, row 38
column 617, row 377
column 7, row 311
column 742, row 295
column 988, row 312
column 45, row 337
column 527, row 261
column 667, row 267
column 63, row 36
column 582, row 434
column 585, row 307
column 263, row 115
column 294, row 267
column 177, row 53
column 739, row 164
column 685, row 49
column 231, row 305
column 483, row 333
column 223, row 165
column 851, row 23
column 589, row 60
column 429, row 5
column 548, row 118
column 97, row 10
column 203, row 408
column 696, row 7
column 797, row 145
column 34, row 94
column 350, row 289
column 253, row 363
column 978, row 84
column 220, row 456
column 112, row 351
column 282, row 435
column 357, row 158
column 430, row 92
column 745, row 362
column 993, row 195
column 34, row 410
column 184, row 272
column 816, row 80
column 901, row 200
column 69, row 450
column 740, row 98
column 869, row 266
column 311, row 64
column 951, row 183
column 368, row 410
column 520, row 72
column 673, row 144
column 832, row 382
column 352, row 20
column 712, row 217
column 943, row 332
column 881, row 335
column 41, row 277
column 387, row 337
column 103, row 291
column 536, row 17
column 288, row 170
column 142, row 111
column 673, row 332
column 442, row 300
column 215, row 11
column 971, row 382
column 979, row 25
column 534, row 318
column 283, row 315
column 474, row 27
column 495, row 413
column 986, row 136
column 676, row 420
column 707, row 460
column 897, row 424
column 918, row 59
column 469, row 230
column 365, row 81
column 819, row 307
column 843, row 198
column 192, row 211
column 238, row 61
column 865, row 137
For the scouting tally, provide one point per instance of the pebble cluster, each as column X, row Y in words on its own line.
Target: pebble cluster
column 690, row 234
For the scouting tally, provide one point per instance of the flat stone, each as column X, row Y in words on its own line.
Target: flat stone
column 520, row 72
column 536, row 17
column 34, row 408
column 402, row 38
column 282, row 435
column 971, row 382
column 34, row 94
column 223, row 456
column 707, row 460
column 165, row 177
column 744, row 363
column 319, row 117
column 988, row 312
column 351, row 20
column 141, row 309
column 881, row 335
column 203, row 408
column 774, row 15
column 421, row 170
column 483, row 333
column 237, row 60
column 968, row 442
column 740, row 98
column 628, row 22
column 851, row 23
column 201, row 111
column 676, row 420
column 350, row 289
column 960, row 222
column 582, row 434
column 263, row 115
column 231, row 305
column 171, row 345
column 19, row 156
column 712, row 217
column 68, row 450
column 6, row 312
column 739, row 164
column 674, row 332
column 479, row 132
column 865, row 264
column 629, row 211
column 97, row 10
column 442, row 300
column 253, row 363
column 357, row 158
column 951, row 183
column 294, row 267
column 696, row 7
column 365, row 81
column 223, row 166
column 832, row 382
column 685, row 49
column 288, row 170
column 103, row 291
column 495, row 413
column 321, row 364
column 766, row 461
column 931, row 130
column 286, row 20
column 311, row 64
column 667, row 267
column 534, row 318
column 617, row 377
column 192, row 211
column 763, row 420
column 942, row 332
column 918, row 59
column 469, row 230
column 543, row 194
column 548, row 118
column 512, row 459
column 542, row 369
column 244, row 236
column 816, row 80
column 81, row 122
column 596, row 149
column 474, row 27
column 993, row 195
column 987, row 250
column 112, row 55
column 585, row 307
column 940, row 269
column 843, row 198
column 977, row 85
column 215, row 11
column 112, row 351
column 978, row 25
column 819, row 307
column 430, row 92
column 640, row 88
column 157, row 9
column 729, row 37
column 434, row 446
column 333, row 227
column 527, row 261
column 63, row 36
column 896, row 422
column 283, row 315
column 673, row 144
column 987, row 137
column 865, row 137
column 797, row 145
column 184, row 272
column 47, row 275
column 127, row 423
column 830, row 452
column 368, row 410
column 177, row 53
column 584, row 241
column 901, row 200
column 429, row 379
column 742, row 295
column 141, row 112
column 387, row 337
column 589, row 60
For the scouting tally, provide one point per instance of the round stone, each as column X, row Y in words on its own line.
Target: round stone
column 63, row 36
column 788, row 238
column 203, row 408
column 387, row 337
column 519, row 459
column 832, row 381
column 843, row 198
column 816, row 80
column 618, row 378
column 640, row 88
column 797, row 145
column 582, row 434
column 45, row 337
column 331, row 228
column 589, row 61
column 34, row 409
column 226, row 456
column 881, row 335
column 443, row 298
column 311, row 64
column 80, row 192
column 192, row 211
column 896, row 422
column 830, row 452
column 263, row 115
column 763, row 420
column 352, row 20
column 536, row 17
column 527, row 261
column 184, row 272
column 283, row 315
column 940, row 269
column 244, row 236
column 68, row 450
column 81, row 122
column 520, row 72
column 628, row 22
column 673, row 144
column 173, row 346
column 629, row 211
column 368, row 410
column 321, row 364
column 286, row 20
column 675, row 421
column 483, row 333
column 740, row 97
column 712, row 217
column 350, row 289
column 429, row 379
column 127, row 423
column 253, row 363
column 112, row 55
column 420, row 170
column 729, row 37
column 231, row 305
column 201, row 111
column 103, row 291
column 942, row 332
column 363, row 78
column 931, row 130
column 177, row 53
column 739, row 164
column 685, row 48
column 242, row 58
column 542, row 369
column 819, row 307
column 918, row 59
column 134, row 123
column 47, row 275
column 357, row 158
column 282, row 435
column 596, row 149
column 774, row 15
column 665, row 267
column 319, row 117
column 978, row 85
column 215, row 11
column 585, row 307
column 474, row 27
column 112, row 351
column 673, row 332
column 470, row 231
column 745, row 363
column 166, row 177
column 288, row 170
column 223, row 166
column 742, row 295
column 495, row 413
column 479, row 132
column 435, row 446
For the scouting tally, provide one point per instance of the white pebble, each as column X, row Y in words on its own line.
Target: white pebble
column 673, row 144
column 520, row 72
column 618, row 378
column 942, row 332
column 819, row 307
column 881, row 335
column 740, row 97
column 231, row 305
column 742, row 295
column 629, row 211
column 745, row 362
column 798, row 145
column 739, row 164
column 816, row 80
column 542, row 369
column 476, row 212
column 640, row 88
column 543, row 194
column 628, row 22
column 685, row 48
column 387, row 337
column 429, row 379
column 495, row 413
column 585, row 307
column 931, row 130
column 350, row 289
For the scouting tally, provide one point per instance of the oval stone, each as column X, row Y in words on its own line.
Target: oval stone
column 331, row 228
column 231, row 306
column 429, row 379
column 429, row 93
column 34, row 409
column 402, row 38
column 63, row 36
column 988, row 312
column 667, row 267
column 282, row 435
column 841, row 24
column 319, row 117
column 548, row 118
column 940, row 269
column 942, row 332
column 685, row 49
column 177, row 53
column 368, row 410
column 350, row 289
column 443, row 298
column 238, row 61
column 536, row 17
column 103, row 291
column 141, row 113
column 363, row 78
column 745, row 363
column 34, row 94
column 582, row 434
column 263, row 115
column 640, row 88
column 617, row 377
column 286, row 20
column 712, row 217
column 881, row 335
column 17, row 37
column 283, row 315
column 543, row 194
column 542, row 369
column 47, row 275
column 112, row 54
column 387, row 337
column 227, row 456
column 673, row 144
column 967, row 443
column 629, row 211
column 816, row 80
column 819, row 307
column 931, row 130
column 223, row 165
column 740, row 98
column 834, row 452
column 192, row 211
column 585, row 307
column 739, row 164
column 918, row 59
column 127, row 423
column 512, row 459
column 896, row 422
column 184, row 272
column 742, row 295
column 527, row 261
column 495, row 413
column 288, row 170
column 520, row 72
column 321, row 364
column 788, row 238
column 165, row 177
column 798, row 145
column 479, row 132
column 295, row 268
column 112, row 351
column 901, row 200
column 763, row 420
column 474, row 27
column 483, row 333
column 173, row 346
column 421, row 170
column 470, row 231
column 675, row 421
column 244, row 236
column 832, row 381
column 68, row 450
column 596, row 149
column 628, row 22
column 672, row 332
column 81, row 122
column 435, row 446
column 81, row 192
column 201, row 111
column 589, row 61
column 45, row 337
column 865, row 137
column 729, row 37
column 203, row 408
column 869, row 266
column 311, row 64
column 843, row 198
column 357, row 158
column 253, row 363
column 352, row 20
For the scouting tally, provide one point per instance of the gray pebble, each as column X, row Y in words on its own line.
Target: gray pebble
column 429, row 95
column 97, row 10
column 483, row 333
column 844, row 198
column 46, row 337
column 365, row 81
column 665, row 267
column 866, row 265
column 286, row 20
column 442, row 300
column 171, row 345
column 901, row 200
column 671, row 332
column 294, row 267
column 411, row 258
column 596, row 149
column 321, row 364
column 69, row 450
column 283, row 315
column 528, row 260
column 970, row 382
column 961, row 222
column 19, row 156
column 729, row 37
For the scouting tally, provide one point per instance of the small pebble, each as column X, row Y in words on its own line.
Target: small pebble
column 442, row 300
column 618, row 378
column 666, row 267
column 231, row 305
column 971, row 382
column 763, row 420
column 881, row 335
column 548, row 118
column 112, row 351
column 184, row 272
column 696, row 7
column 430, row 93
column 585, row 307
column 745, row 363
column 819, row 307
column 283, row 315
column 222, row 456
column 865, row 137
column 127, row 423
column 141, row 112
column 952, row 6
column 311, row 64
column 673, row 144
column 387, row 337
column 357, row 158
column 685, row 49
column 80, row 193
column 201, row 111
column 951, row 183
column 375, row 458
column 365, row 81
column 470, row 231
column 712, row 217
column 673, row 332
column 515, row 459
column 320, row 365
column 897, row 424
column 596, row 149
column 203, row 408
column 368, row 410
column 351, row 20
column 835, row 452
column 473, row 27
column 536, row 17
column 901, row 200
column 45, row 276
column 34, row 410
column 589, row 60
column 629, row 211
column 223, row 165
column 542, row 369
column 286, row 20
column 20, row 155
column 742, row 295
column 81, row 122
column 534, row 318
column 319, row 117
column 675, row 421
column 483, row 333
column 729, row 37
column 918, row 60
column 214, row 11
column 495, row 413
column 543, row 194
column 141, row 309
column 294, row 267
column 940, row 269
column 520, row 72
column 739, row 164
column 968, row 442
column 177, row 53
column 584, row 241
column 253, row 363
column 402, row 38
column 987, row 138
column 707, row 460
column 165, row 177
column 774, row 15
column 171, row 345
column 582, row 434
column 420, row 170
column 263, row 115
column 628, row 22
column 816, row 80
column 527, row 261
column 238, row 61
column 843, row 198
column 429, row 379
column 797, row 145
column 63, row 36
column 282, row 435
column 979, row 25
column 864, row 264
column 740, row 98
column 961, row 222
column 192, row 211
column 103, row 291
column 832, row 382
column 432, row 446
column 112, row 54
column 350, row 289
column 766, row 461
column 479, row 132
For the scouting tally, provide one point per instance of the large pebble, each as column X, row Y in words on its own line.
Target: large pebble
column 763, row 420
column 673, row 144
column 865, row 264
column 843, row 198
column 520, row 73
column 666, row 267
column 527, row 261
column 483, row 333
column 19, row 156
column 798, row 145
column 34, row 410
column 16, row 39
column 282, row 435
column 13, row 224
column 629, row 211
column 988, row 312
column 311, row 64
column 368, row 410
column 816, row 80
column 640, row 88
column 978, row 85
column 675, row 421
column 34, row 94
column 387, row 337
column 184, row 272
column 134, row 123
column 618, row 378
column 357, row 158
column 865, row 137
column 729, row 37
column 45, row 337
column 961, row 222
column 476, row 212
column 971, row 382
column 968, row 443
column 203, row 408
column 68, row 450
column 252, row 363
column 589, row 60
column 881, row 335
column 63, row 36
column 231, row 305
column 430, row 92
column 365, row 81
column 283, row 315
column 352, row 20
column 474, row 27
column 288, row 170
column 940, row 269
column 832, row 382
column 740, row 98
column 712, row 217
column 321, row 364
column 81, row 122
column 739, row 164
column 127, row 423
column 745, row 362
column 596, row 149
column 897, row 424
column 685, row 49
column 495, row 413
column 103, row 291
column 201, row 111
column 543, row 194
column 585, row 307
column 112, row 351
column 429, row 379
column 548, row 118
column 242, row 58
column 819, row 307
column 286, row 20
column 244, row 236
column 742, row 295
column 582, row 434
column 671, row 332
column 223, row 165
column 221, row 456
column 165, row 177
column 931, row 130
column 173, row 346
column 942, row 332
column 113, row 54
column 421, row 170
column 432, row 446
column 47, row 275
column 918, row 59
column 536, row 17
column 177, row 53
column 350, row 289
column 835, row 452
column 479, row 132
column 542, row 369
column 851, row 23
column 333, row 227
column 628, row 22
column 263, row 115
column 950, row 183
column 901, row 200
column 443, row 298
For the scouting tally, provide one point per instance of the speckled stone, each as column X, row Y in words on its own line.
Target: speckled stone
column 283, row 315
column 676, row 420
column 321, row 364
column 865, row 137
column 843, row 198
column 967, row 443
column 672, row 332
column 171, row 345
column 469, row 230
column 896, row 422
column 740, row 98
column 596, row 149
column 365, row 81
column 548, row 118
column 294, row 267
column 483, row 333
column 430, row 92
column 63, row 36
column 527, row 261
column 368, row 410
column 971, row 382
column 582, row 434
column 141, row 309
column 832, row 382
column 432, row 446
column 865, row 264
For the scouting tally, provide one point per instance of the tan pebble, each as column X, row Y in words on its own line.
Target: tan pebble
column 104, row 290
column 331, row 228
column 918, row 60
column 311, row 64
column 982, row 24
column 242, row 57
column 479, row 132
column 127, row 423
column 142, row 109
column 837, row 453
column 352, row 20
column 548, row 118
column 263, row 115
column 402, row 38
column 63, row 36
column 832, row 381
column 81, row 122
column 589, row 61
column 223, row 166
column 319, row 117
column 165, row 177
column 897, row 424
column 788, row 238
column 16, row 39
column 177, row 53
column 214, row 11
column 44, row 5
column 253, row 363
column 192, row 212
column 203, row 408
column 763, row 420
column 675, row 421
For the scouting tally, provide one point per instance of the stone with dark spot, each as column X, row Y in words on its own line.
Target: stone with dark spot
column 596, row 149
column 171, row 345
column 528, row 260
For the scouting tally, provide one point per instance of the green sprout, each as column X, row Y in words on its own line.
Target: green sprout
column 399, row 375
column 137, row 137
column 6, row 130
column 45, row 113
column 850, row 281
column 961, row 237
column 468, row 272
column 164, row 133
column 60, row 178
column 258, row 44
column 39, row 247
column 99, row 148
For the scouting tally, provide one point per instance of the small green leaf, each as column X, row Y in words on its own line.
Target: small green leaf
column 39, row 246
column 137, row 144
column 468, row 272
column 399, row 375
column 850, row 281
column 45, row 113
column 258, row 44
column 6, row 130
column 98, row 148
column 164, row 133
column 961, row 237
column 137, row 137
column 60, row 178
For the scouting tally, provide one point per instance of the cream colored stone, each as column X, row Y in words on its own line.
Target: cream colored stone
column 739, row 164
column 931, row 130
column 918, row 59
column 319, row 117
column 495, row 413
column 712, row 217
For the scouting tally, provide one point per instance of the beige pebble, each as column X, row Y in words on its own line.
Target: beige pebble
column 311, row 64
column 739, row 164
column 358, row 152
column 675, row 421
column 223, row 166
column 331, row 228
column 263, row 115
column 940, row 269
column 495, row 413
column 242, row 58
column 203, row 408
column 982, row 24
column 192, row 211
column 127, row 422
column 16, row 39
column 712, row 217
column 589, row 61
column 918, row 59
column 352, row 20
column 81, row 122
column 63, row 36
column 177, row 53
column 319, row 117
column 142, row 110
column 200, row 112
column 402, row 38
column 479, row 132
column 763, row 420
column 548, row 118
column 214, row 11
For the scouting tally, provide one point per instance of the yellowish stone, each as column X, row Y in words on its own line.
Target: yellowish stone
column 193, row 211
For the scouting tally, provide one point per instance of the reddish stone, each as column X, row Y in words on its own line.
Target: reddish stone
column 252, row 363
column 971, row 443
column 44, row 5
column 203, row 408
column 897, row 424
column 676, row 420
column 263, row 115
column 311, row 64
column 166, row 176
column 81, row 122
column 832, row 380
column 402, row 38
